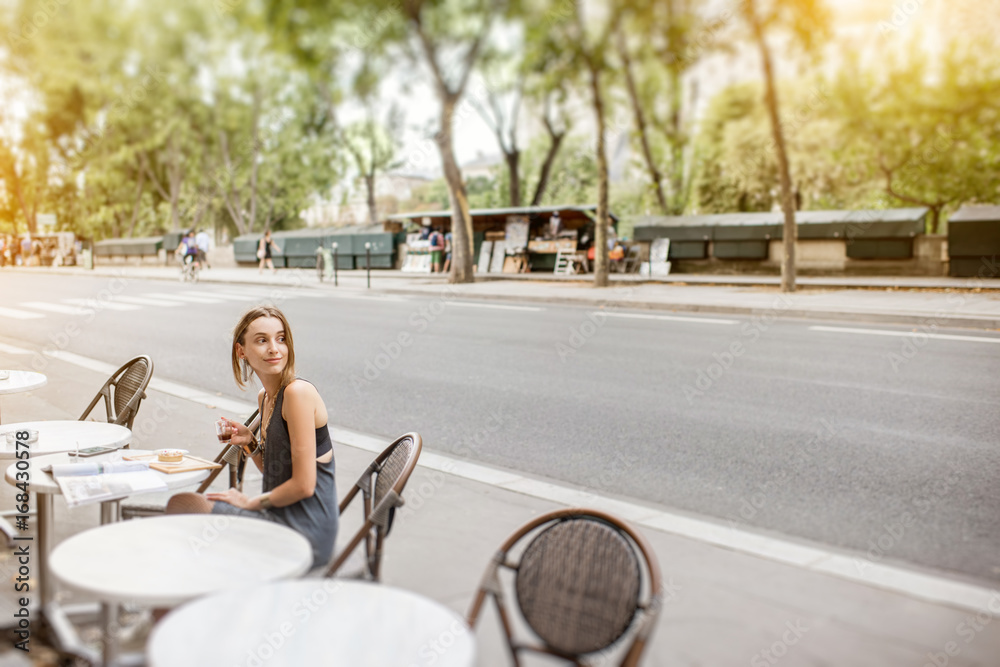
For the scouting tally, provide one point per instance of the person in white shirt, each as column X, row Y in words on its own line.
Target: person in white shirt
column 204, row 243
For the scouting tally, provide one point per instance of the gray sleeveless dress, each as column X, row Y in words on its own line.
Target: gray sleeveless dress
column 316, row 517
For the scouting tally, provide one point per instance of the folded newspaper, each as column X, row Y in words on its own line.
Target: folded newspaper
column 86, row 483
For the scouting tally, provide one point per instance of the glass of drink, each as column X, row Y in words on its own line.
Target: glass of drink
column 224, row 430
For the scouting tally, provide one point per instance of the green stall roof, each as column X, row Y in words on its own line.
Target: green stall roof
column 870, row 223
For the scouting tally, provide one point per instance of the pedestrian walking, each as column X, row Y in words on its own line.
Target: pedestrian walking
column 265, row 252
column 437, row 250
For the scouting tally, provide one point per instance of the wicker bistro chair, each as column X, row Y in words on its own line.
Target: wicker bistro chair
column 123, row 391
column 578, row 585
column 381, row 487
column 155, row 504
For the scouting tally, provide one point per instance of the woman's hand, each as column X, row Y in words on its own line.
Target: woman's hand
column 235, row 498
column 241, row 435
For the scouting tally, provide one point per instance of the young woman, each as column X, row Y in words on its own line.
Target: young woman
column 265, row 251
column 294, row 449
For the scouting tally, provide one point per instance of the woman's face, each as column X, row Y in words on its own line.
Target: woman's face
column 265, row 348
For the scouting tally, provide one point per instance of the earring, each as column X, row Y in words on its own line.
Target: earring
column 246, row 370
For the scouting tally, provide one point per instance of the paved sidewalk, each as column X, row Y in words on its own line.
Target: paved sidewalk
column 723, row 607
column 920, row 302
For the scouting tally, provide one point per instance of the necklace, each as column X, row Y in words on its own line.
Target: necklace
column 268, row 412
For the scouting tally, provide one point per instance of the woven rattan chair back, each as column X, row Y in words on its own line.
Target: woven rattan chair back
column 578, row 584
column 381, row 487
column 123, row 391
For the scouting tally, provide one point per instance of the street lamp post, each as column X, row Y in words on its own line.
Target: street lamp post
column 334, row 263
column 368, row 262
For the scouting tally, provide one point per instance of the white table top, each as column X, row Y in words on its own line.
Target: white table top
column 22, row 381
column 43, row 482
column 164, row 561
column 63, row 436
column 313, row 622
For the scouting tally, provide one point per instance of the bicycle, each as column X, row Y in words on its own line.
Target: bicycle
column 189, row 270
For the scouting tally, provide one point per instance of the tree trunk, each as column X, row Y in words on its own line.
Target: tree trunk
column 176, row 174
column 601, row 223
column 461, row 221
column 370, row 187
column 135, row 206
column 550, row 158
column 28, row 218
column 513, row 168
column 253, row 156
column 640, row 124
column 790, row 232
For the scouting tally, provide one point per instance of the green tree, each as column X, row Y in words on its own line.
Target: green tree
column 806, row 20
column 924, row 132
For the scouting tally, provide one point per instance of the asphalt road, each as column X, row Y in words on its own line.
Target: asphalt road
column 886, row 446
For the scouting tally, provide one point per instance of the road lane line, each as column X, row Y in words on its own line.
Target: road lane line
column 140, row 301
column 58, row 308
column 10, row 349
column 15, row 314
column 194, row 394
column 670, row 318
column 94, row 304
column 912, row 334
column 182, row 297
column 899, row 580
column 470, row 304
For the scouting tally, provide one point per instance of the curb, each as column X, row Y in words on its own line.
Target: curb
column 901, row 318
column 967, row 322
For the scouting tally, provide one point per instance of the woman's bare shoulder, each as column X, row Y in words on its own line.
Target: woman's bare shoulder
column 300, row 390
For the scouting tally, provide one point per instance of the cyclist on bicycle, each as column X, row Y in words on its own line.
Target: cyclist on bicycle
column 187, row 250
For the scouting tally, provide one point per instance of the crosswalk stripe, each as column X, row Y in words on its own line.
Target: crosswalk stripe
column 183, row 297
column 222, row 295
column 140, row 301
column 309, row 294
column 101, row 305
column 57, row 308
column 15, row 314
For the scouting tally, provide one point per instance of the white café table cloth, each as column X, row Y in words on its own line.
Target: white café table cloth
column 313, row 622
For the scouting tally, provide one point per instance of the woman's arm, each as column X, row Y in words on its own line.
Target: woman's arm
column 298, row 409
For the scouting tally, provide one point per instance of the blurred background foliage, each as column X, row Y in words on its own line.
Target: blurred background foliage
column 132, row 119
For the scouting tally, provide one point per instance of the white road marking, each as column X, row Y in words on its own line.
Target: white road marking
column 470, row 304
column 58, row 308
column 94, row 304
column 670, row 318
column 857, row 569
column 15, row 314
column 202, row 396
column 139, row 301
column 10, row 349
column 912, row 334
column 221, row 295
column 182, row 297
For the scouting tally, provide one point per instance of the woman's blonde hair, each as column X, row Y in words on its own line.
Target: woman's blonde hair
column 239, row 334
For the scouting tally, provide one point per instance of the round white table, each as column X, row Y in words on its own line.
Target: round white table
column 17, row 381
column 43, row 484
column 64, row 435
column 164, row 561
column 313, row 622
